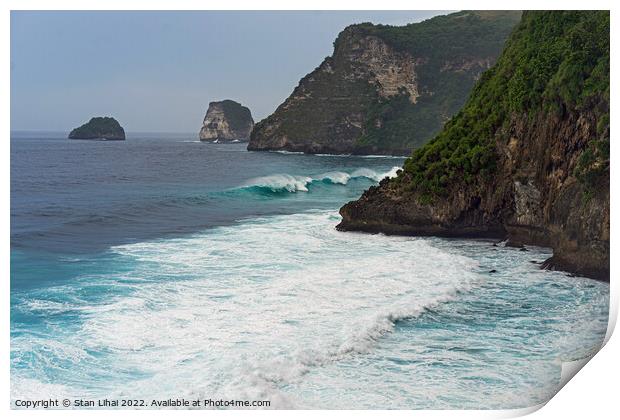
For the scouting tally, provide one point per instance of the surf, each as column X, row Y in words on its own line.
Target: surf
column 272, row 307
column 286, row 183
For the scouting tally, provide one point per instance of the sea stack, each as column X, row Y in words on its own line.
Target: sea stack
column 227, row 121
column 387, row 89
column 99, row 128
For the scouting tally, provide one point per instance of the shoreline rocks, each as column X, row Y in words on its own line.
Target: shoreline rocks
column 534, row 172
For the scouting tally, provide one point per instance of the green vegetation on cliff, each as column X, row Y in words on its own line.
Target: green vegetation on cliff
column 553, row 62
column 105, row 128
column 526, row 159
column 387, row 89
column 478, row 32
column 464, row 38
column 237, row 115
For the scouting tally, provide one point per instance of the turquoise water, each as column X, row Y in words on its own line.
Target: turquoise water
column 164, row 268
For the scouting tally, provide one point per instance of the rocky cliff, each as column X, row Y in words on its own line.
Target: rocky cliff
column 386, row 89
column 226, row 121
column 527, row 158
column 99, row 128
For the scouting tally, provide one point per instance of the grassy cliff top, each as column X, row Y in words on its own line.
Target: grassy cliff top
column 455, row 36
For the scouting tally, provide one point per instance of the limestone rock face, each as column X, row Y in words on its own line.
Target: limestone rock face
column 99, row 128
column 386, row 89
column 227, row 121
column 378, row 64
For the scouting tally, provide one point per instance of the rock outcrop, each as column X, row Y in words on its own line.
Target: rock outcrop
column 386, row 89
column 527, row 158
column 99, row 128
column 227, row 121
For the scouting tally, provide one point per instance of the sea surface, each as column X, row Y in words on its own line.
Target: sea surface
column 162, row 267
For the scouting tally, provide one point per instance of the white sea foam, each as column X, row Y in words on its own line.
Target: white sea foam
column 47, row 306
column 288, row 309
column 37, row 390
column 286, row 152
column 334, row 177
column 298, row 183
column 262, row 303
column 375, row 176
column 281, row 182
column 383, row 156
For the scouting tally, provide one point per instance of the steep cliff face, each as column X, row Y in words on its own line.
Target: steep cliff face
column 226, row 121
column 527, row 159
column 386, row 89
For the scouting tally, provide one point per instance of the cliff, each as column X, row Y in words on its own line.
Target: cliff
column 526, row 159
column 226, row 121
column 386, row 89
column 99, row 128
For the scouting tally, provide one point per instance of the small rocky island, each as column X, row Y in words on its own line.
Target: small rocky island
column 99, row 128
column 227, row 121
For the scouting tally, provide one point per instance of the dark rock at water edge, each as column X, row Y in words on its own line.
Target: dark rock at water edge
column 99, row 128
column 526, row 159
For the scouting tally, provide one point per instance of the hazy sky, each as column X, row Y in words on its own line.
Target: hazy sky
column 158, row 71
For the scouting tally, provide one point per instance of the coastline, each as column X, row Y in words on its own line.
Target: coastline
column 492, row 235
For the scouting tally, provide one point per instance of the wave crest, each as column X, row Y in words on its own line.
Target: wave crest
column 283, row 183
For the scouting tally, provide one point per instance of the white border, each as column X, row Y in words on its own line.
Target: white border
column 593, row 393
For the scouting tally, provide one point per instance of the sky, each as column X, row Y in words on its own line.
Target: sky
column 158, row 71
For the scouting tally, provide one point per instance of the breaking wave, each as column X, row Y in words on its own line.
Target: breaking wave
column 287, row 309
column 285, row 183
column 251, row 317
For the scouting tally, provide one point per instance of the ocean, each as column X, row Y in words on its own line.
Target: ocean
column 162, row 267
